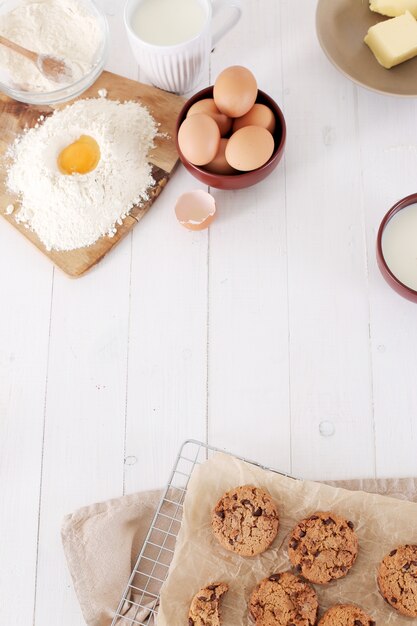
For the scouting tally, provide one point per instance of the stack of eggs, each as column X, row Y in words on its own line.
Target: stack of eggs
column 229, row 133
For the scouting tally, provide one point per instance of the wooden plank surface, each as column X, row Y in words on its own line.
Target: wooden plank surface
column 163, row 106
column 248, row 314
column 388, row 168
column 76, row 433
column 167, row 371
column 266, row 332
column 24, row 339
column 328, row 300
column 84, row 414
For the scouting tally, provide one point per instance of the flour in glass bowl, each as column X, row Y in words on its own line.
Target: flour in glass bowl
column 63, row 28
column 73, row 211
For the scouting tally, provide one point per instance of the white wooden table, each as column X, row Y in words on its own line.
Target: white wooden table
column 262, row 335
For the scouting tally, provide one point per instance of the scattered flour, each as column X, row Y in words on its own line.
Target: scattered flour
column 64, row 28
column 102, row 93
column 9, row 209
column 69, row 212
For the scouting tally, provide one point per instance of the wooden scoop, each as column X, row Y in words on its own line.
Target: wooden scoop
column 51, row 67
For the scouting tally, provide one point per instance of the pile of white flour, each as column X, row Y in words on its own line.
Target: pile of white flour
column 69, row 212
column 63, row 28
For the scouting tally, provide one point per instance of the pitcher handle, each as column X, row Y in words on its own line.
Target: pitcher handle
column 218, row 6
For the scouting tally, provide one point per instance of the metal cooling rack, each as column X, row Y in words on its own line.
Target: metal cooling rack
column 140, row 600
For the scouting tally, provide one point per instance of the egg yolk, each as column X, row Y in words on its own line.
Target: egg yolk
column 80, row 157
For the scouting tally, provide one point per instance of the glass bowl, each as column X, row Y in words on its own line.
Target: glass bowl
column 74, row 89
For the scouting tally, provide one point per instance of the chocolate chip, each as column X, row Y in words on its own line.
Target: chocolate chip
column 245, row 502
column 212, row 587
column 328, row 521
column 190, row 622
column 234, row 496
column 372, row 623
column 393, row 552
column 317, row 552
column 202, row 598
column 258, row 512
column 313, row 517
column 406, row 567
column 351, row 525
column 358, row 622
column 220, row 514
column 231, row 541
column 302, row 533
column 274, row 577
column 394, row 600
column 294, row 543
column 343, row 568
column 298, row 568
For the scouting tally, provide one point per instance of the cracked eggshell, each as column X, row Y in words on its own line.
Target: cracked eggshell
column 195, row 209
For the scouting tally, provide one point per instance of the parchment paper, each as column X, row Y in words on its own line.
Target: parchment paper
column 381, row 523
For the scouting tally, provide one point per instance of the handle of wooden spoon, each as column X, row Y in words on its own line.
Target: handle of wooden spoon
column 32, row 56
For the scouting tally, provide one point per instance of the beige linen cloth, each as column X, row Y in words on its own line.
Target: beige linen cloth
column 102, row 541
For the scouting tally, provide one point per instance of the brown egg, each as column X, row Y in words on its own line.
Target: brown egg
column 249, row 148
column 208, row 107
column 235, row 91
column 195, row 209
column 259, row 115
column 219, row 165
column 199, row 138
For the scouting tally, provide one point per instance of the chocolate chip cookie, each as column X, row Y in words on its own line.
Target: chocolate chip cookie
column 283, row 600
column 323, row 547
column 346, row 615
column 205, row 606
column 397, row 579
column 245, row 520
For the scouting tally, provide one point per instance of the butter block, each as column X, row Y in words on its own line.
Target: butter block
column 393, row 41
column 393, row 8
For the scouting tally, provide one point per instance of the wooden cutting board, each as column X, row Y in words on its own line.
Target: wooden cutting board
column 163, row 106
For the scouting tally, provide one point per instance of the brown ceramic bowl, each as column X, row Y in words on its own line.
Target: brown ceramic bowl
column 391, row 279
column 245, row 179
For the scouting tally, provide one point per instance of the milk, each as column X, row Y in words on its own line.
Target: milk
column 399, row 245
column 168, row 22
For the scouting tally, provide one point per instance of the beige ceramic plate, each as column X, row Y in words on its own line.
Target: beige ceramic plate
column 341, row 26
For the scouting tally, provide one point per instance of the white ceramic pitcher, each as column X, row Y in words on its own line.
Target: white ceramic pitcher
column 178, row 68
